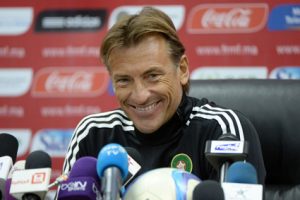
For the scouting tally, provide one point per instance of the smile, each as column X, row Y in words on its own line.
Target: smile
column 146, row 108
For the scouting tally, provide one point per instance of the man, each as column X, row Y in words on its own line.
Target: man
column 150, row 74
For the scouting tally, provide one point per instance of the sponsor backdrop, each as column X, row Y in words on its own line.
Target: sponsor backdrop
column 51, row 75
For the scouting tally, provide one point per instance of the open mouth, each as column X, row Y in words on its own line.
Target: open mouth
column 147, row 108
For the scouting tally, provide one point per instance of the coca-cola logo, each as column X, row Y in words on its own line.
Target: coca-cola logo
column 227, row 18
column 70, row 82
column 80, row 81
column 235, row 17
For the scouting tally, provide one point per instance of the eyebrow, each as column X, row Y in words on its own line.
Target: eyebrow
column 152, row 69
column 120, row 76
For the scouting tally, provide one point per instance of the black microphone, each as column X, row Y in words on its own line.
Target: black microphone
column 36, row 160
column 135, row 164
column 8, row 146
column 8, row 153
column 32, row 183
column 224, row 151
column 208, row 190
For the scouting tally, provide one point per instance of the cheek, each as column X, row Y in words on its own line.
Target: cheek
column 121, row 94
column 170, row 87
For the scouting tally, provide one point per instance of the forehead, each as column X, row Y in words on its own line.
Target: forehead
column 151, row 51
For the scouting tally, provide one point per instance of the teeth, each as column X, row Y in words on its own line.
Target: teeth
column 147, row 108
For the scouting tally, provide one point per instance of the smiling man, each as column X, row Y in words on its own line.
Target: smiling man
column 147, row 82
column 150, row 73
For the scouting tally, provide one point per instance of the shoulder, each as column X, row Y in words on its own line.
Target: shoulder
column 229, row 120
column 109, row 119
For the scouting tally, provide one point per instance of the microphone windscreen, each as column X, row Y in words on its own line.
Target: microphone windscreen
column 8, row 146
column 83, row 188
column 208, row 190
column 135, row 155
column 112, row 155
column 241, row 172
column 84, row 167
column 83, row 182
column 38, row 159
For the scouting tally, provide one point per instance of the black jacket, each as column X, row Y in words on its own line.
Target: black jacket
column 180, row 142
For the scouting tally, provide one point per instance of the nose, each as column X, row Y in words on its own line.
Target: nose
column 140, row 93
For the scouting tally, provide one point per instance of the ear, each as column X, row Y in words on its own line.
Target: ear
column 183, row 70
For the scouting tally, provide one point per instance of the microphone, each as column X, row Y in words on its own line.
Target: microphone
column 32, row 183
column 112, row 168
column 134, row 164
column 224, row 151
column 82, row 182
column 19, row 165
column 241, row 182
column 59, row 180
column 208, row 190
column 8, row 153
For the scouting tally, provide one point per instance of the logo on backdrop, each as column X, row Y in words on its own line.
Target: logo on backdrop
column 285, row 17
column 15, row 82
column 182, row 161
column 227, row 72
column 175, row 12
column 227, row 18
column 53, row 141
column 70, row 82
column 15, row 21
column 70, row 20
column 291, row 72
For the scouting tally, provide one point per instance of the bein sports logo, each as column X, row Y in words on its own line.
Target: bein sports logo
column 228, row 147
column 77, row 186
column 74, row 186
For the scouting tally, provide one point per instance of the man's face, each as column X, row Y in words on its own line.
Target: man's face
column 147, row 83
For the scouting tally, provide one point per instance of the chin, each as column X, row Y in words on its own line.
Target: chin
column 146, row 129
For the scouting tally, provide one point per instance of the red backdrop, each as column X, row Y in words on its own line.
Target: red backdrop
column 51, row 75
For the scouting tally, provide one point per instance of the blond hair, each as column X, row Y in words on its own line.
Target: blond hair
column 130, row 30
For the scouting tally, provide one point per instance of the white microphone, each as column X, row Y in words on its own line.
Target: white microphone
column 134, row 164
column 32, row 183
column 19, row 165
column 241, row 182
